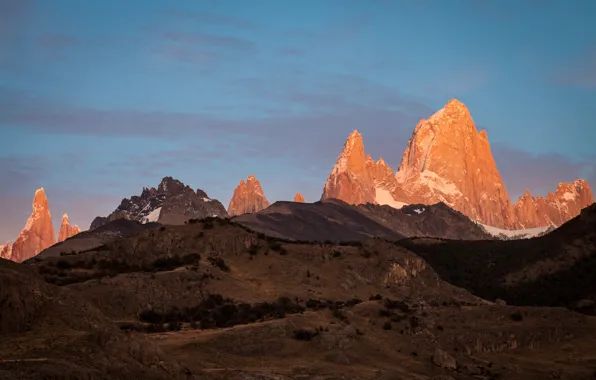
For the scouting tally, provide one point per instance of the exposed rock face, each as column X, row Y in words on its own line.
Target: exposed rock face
column 66, row 230
column 248, row 197
column 298, row 198
column 443, row 359
column 38, row 233
column 447, row 160
column 6, row 251
column 557, row 208
column 335, row 220
column 351, row 179
column 171, row 203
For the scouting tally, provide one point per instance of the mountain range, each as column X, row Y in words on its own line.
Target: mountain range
column 447, row 161
column 38, row 233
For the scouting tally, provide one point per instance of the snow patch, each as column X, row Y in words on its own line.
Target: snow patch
column 207, row 200
column 436, row 182
column 152, row 217
column 569, row 196
column 515, row 234
column 384, row 197
column 419, row 210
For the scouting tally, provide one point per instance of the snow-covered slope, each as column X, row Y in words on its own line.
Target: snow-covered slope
column 384, row 197
column 516, row 234
column 153, row 216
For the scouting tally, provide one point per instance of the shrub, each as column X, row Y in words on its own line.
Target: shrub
column 151, row 316
column 378, row 297
column 155, row 328
column 193, row 221
column 219, row 262
column 306, row 335
column 352, row 302
column 167, row 263
column 208, row 225
column 387, row 325
column 384, row 313
column 400, row 305
column 174, row 326
column 63, row 264
column 277, row 247
column 414, row 322
column 338, row 313
column 517, row 316
column 253, row 249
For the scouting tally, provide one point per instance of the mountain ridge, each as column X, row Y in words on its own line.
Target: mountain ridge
column 468, row 180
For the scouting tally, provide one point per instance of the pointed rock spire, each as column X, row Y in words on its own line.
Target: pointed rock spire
column 6, row 251
column 38, row 233
column 298, row 198
column 66, row 230
column 248, row 197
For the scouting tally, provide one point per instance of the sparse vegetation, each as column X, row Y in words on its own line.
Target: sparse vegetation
column 254, row 249
column 219, row 263
column 400, row 305
column 277, row 247
column 516, row 316
column 215, row 311
column 387, row 325
column 306, row 335
column 64, row 272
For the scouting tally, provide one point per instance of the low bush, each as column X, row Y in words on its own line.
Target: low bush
column 219, row 263
column 215, row 311
column 306, row 335
column 517, row 316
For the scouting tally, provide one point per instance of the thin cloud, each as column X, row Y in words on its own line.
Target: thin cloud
column 210, row 40
column 580, row 71
column 540, row 173
column 211, row 18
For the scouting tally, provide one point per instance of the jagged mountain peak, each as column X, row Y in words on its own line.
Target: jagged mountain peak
column 248, row 197
column 172, row 202
column 448, row 160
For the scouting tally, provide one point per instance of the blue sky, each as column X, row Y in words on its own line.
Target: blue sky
column 101, row 98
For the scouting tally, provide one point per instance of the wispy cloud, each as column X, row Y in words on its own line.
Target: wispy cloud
column 580, row 71
column 211, row 18
column 291, row 51
column 56, row 41
column 210, row 40
column 540, row 173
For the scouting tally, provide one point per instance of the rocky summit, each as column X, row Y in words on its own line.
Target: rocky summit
column 248, row 197
column 66, row 230
column 448, row 160
column 298, row 198
column 38, row 233
column 171, row 202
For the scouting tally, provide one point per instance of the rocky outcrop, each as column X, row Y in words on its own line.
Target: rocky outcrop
column 351, row 179
column 298, row 198
column 38, row 233
column 171, row 202
column 441, row 358
column 556, row 208
column 248, row 197
column 6, row 251
column 447, row 160
column 66, row 230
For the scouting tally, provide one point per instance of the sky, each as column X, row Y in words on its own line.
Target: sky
column 99, row 99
